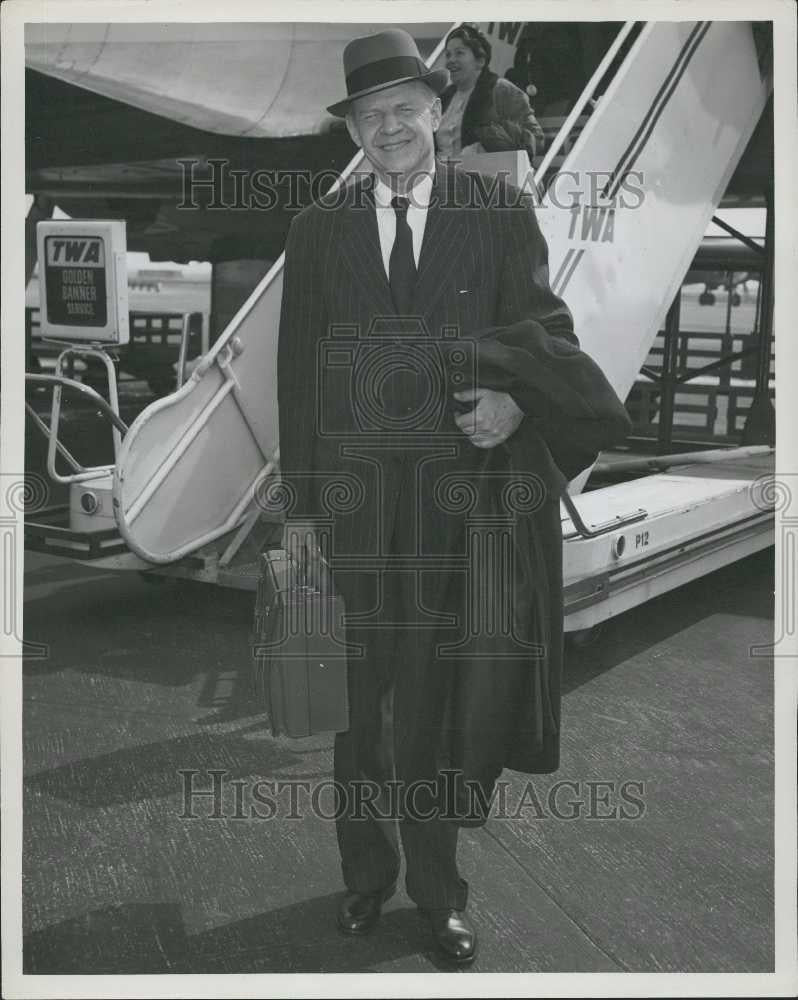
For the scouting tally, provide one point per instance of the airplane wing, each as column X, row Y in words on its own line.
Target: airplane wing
column 255, row 80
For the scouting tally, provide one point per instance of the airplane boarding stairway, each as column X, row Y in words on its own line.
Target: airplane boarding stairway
column 651, row 163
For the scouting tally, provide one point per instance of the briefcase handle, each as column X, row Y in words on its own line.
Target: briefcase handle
column 273, row 556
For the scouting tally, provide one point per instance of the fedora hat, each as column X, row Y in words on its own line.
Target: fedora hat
column 376, row 62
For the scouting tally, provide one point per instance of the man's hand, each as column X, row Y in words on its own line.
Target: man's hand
column 492, row 420
column 299, row 541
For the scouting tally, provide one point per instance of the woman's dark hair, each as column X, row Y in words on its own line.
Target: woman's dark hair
column 473, row 39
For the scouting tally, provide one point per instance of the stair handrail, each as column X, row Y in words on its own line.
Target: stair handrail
column 586, row 95
column 81, row 473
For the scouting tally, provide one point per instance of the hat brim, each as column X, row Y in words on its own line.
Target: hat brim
column 436, row 79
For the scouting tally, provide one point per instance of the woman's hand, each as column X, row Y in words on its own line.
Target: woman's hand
column 496, row 137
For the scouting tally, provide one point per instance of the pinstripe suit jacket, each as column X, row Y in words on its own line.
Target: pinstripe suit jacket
column 483, row 263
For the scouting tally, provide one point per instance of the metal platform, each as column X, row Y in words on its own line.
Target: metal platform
column 698, row 518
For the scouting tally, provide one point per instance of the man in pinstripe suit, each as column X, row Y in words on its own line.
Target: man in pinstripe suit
column 377, row 280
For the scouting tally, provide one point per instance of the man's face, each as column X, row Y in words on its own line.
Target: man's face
column 395, row 129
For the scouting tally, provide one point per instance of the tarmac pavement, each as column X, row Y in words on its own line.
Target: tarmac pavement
column 667, row 719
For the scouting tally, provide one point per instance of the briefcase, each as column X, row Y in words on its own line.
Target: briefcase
column 299, row 652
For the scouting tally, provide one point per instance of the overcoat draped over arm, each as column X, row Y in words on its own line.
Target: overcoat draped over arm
column 504, row 707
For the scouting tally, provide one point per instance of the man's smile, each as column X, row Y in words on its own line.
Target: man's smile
column 395, row 128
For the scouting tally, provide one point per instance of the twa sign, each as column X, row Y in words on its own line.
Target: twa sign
column 88, row 251
column 83, row 275
column 504, row 37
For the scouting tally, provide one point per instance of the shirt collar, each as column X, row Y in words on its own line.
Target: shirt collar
column 419, row 194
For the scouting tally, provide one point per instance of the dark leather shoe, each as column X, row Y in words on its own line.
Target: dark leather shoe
column 454, row 934
column 359, row 912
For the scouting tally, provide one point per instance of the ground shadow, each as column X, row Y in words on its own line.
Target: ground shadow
column 743, row 588
column 153, row 770
column 151, row 938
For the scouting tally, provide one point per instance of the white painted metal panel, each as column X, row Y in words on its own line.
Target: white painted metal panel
column 678, row 115
column 700, row 518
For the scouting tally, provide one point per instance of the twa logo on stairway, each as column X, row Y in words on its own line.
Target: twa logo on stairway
column 592, row 224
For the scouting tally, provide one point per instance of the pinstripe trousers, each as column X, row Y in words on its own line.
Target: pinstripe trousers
column 384, row 707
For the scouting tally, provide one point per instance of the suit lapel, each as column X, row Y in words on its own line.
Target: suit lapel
column 445, row 239
column 361, row 252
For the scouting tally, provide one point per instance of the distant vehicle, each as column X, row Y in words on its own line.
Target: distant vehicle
column 711, row 280
column 724, row 251
column 159, row 295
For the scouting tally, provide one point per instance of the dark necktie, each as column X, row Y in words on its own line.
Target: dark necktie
column 402, row 265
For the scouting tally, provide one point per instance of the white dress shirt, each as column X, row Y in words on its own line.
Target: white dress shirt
column 418, row 197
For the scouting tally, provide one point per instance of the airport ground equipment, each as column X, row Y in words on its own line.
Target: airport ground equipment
column 623, row 216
